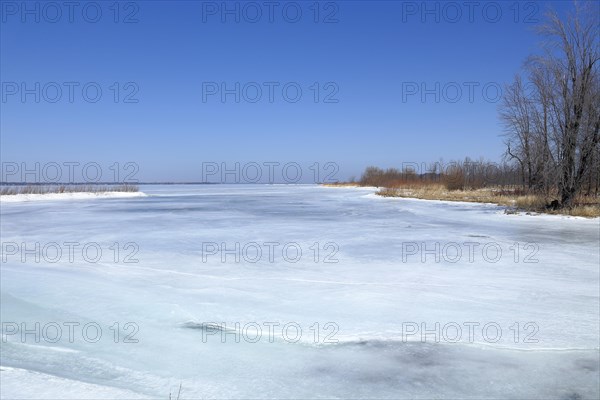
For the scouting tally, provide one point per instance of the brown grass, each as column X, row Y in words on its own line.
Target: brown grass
column 44, row 189
column 585, row 206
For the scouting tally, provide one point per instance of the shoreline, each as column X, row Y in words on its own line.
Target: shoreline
column 509, row 203
column 502, row 210
column 21, row 198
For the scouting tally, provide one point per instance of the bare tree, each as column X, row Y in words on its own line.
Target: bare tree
column 553, row 128
column 572, row 57
column 516, row 115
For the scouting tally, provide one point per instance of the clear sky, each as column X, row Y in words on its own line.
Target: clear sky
column 171, row 61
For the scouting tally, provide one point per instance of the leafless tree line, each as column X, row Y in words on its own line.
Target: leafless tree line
column 552, row 114
column 454, row 175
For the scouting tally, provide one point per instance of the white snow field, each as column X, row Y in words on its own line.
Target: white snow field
column 517, row 320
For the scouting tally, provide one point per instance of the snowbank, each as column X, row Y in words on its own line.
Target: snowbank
column 16, row 198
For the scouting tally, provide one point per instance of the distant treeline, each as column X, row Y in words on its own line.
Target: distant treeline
column 455, row 175
column 469, row 175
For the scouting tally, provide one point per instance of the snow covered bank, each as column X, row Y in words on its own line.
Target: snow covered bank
column 500, row 208
column 16, row 198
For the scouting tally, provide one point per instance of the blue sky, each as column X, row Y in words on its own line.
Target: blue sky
column 170, row 58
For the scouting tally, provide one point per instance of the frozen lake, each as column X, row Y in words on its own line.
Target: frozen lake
column 244, row 291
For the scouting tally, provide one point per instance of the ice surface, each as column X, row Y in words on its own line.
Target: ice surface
column 372, row 295
column 34, row 385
